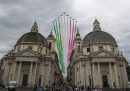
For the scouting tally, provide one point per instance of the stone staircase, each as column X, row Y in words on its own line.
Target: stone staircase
column 110, row 89
column 31, row 89
column 19, row 89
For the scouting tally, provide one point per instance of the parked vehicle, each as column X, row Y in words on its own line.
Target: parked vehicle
column 129, row 84
column 12, row 86
column 39, row 89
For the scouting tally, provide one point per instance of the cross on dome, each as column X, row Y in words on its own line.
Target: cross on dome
column 96, row 25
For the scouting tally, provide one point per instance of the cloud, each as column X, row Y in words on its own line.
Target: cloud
column 17, row 17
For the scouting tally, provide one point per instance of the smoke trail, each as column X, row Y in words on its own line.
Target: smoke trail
column 65, row 31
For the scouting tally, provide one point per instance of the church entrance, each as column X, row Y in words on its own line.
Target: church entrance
column 90, row 84
column 39, row 82
column 105, row 81
column 25, row 80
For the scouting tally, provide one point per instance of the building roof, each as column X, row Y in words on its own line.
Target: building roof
column 32, row 37
column 98, row 36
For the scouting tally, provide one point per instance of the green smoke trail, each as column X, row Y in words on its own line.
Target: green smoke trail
column 57, row 30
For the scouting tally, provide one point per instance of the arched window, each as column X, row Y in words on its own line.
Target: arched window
column 112, row 49
column 78, row 45
column 41, row 49
column 50, row 45
column 18, row 49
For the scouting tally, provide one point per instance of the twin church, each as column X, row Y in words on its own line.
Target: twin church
column 96, row 61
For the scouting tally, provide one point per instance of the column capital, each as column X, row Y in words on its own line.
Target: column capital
column 15, row 61
column 94, row 63
column 111, row 63
column 32, row 62
column 20, row 61
column 114, row 63
column 98, row 62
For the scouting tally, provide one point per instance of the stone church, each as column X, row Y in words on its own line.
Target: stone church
column 97, row 61
column 32, row 61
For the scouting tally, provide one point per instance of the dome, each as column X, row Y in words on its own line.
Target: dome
column 98, row 36
column 32, row 37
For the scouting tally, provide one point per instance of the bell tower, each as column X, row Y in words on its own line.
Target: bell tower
column 78, row 41
column 51, row 42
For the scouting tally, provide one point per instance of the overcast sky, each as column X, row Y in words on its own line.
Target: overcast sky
column 17, row 17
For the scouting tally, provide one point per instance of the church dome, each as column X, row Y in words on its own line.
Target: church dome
column 98, row 36
column 32, row 37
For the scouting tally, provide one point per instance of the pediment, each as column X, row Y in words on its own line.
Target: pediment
column 103, row 53
column 26, row 52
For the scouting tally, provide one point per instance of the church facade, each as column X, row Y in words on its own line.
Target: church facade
column 33, row 61
column 97, row 61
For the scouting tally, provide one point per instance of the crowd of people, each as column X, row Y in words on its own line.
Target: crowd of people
column 66, row 87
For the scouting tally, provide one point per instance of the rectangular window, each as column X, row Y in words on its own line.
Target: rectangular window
column 77, row 69
column 30, row 47
column 88, row 49
column 40, row 49
column 50, row 45
column 78, row 45
column 18, row 49
column 112, row 49
column 100, row 47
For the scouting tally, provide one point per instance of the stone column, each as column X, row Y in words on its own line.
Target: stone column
column 75, row 72
column 111, row 79
column 19, row 71
column 35, row 73
column 116, row 76
column 99, row 75
column 14, row 69
column 30, row 74
column 93, row 71
column 125, row 76
column 79, row 74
